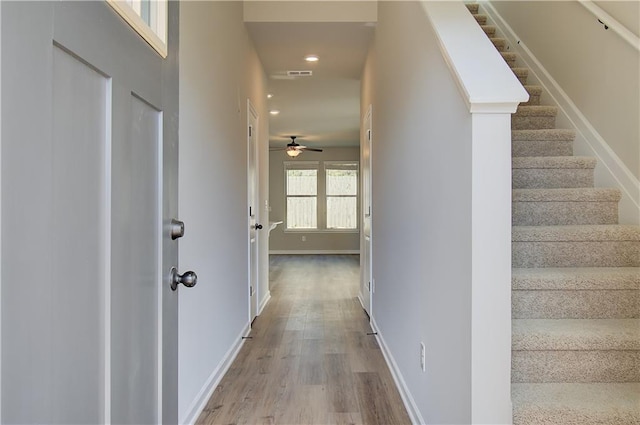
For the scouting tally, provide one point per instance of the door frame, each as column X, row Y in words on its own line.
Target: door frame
column 367, row 194
column 253, row 260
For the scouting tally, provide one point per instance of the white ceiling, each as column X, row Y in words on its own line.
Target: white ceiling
column 324, row 109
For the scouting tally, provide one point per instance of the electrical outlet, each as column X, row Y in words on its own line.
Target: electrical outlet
column 304, row 238
column 423, row 360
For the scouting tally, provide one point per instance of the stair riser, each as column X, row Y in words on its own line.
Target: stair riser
column 542, row 148
column 576, row 254
column 532, row 122
column 604, row 304
column 563, row 213
column 551, row 178
column 575, row 366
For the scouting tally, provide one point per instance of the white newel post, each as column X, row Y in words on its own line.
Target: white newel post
column 491, row 268
column 492, row 93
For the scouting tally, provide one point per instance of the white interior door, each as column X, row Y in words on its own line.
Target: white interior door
column 255, row 227
column 89, row 171
column 367, row 283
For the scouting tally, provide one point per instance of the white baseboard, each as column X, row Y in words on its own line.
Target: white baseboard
column 405, row 394
column 264, row 302
column 315, row 252
column 200, row 401
column 611, row 171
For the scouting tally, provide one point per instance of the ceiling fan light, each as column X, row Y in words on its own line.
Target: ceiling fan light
column 293, row 152
column 312, row 58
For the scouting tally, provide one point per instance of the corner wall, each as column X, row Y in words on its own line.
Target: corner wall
column 219, row 70
column 421, row 213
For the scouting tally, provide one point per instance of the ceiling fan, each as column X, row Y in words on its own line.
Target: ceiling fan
column 293, row 149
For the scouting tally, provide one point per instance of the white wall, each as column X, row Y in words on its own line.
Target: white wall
column 421, row 212
column 596, row 68
column 318, row 241
column 219, row 70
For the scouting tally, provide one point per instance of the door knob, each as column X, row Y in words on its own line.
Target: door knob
column 258, row 226
column 188, row 279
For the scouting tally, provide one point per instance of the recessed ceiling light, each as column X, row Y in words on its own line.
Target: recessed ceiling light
column 269, row 96
column 312, row 58
column 274, row 112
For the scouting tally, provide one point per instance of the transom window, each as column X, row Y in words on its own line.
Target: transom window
column 148, row 18
column 321, row 196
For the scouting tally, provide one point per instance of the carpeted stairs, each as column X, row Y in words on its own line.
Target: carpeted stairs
column 576, row 277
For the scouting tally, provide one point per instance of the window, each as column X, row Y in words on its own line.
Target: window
column 342, row 195
column 148, row 18
column 302, row 195
column 321, row 201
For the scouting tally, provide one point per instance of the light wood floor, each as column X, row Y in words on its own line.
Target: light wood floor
column 310, row 360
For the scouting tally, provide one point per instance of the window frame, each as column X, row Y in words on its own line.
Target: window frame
column 338, row 165
column 155, row 34
column 321, row 195
column 301, row 165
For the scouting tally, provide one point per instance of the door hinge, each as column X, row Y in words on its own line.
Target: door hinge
column 250, row 212
column 369, row 134
column 251, row 291
column 369, row 286
column 250, row 131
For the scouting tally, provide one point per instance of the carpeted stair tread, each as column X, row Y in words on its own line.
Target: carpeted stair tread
column 500, row 43
column 509, row 57
column 489, row 30
column 473, row 7
column 536, row 111
column 480, row 19
column 554, row 162
column 532, row 117
column 520, row 72
column 582, row 233
column 575, row 366
column 561, row 207
column 572, row 304
column 541, row 162
column 576, row 403
column 575, row 334
column 576, row 278
column 533, row 90
column 543, row 134
column 588, row 194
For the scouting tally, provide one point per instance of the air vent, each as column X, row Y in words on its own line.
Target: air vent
column 299, row 73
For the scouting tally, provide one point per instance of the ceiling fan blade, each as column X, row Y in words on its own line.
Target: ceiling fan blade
column 313, row 149
column 277, row 149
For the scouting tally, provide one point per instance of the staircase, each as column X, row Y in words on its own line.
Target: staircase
column 575, row 281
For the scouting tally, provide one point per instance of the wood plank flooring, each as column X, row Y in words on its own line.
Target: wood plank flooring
column 310, row 360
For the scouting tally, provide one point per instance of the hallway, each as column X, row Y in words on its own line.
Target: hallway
column 309, row 359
